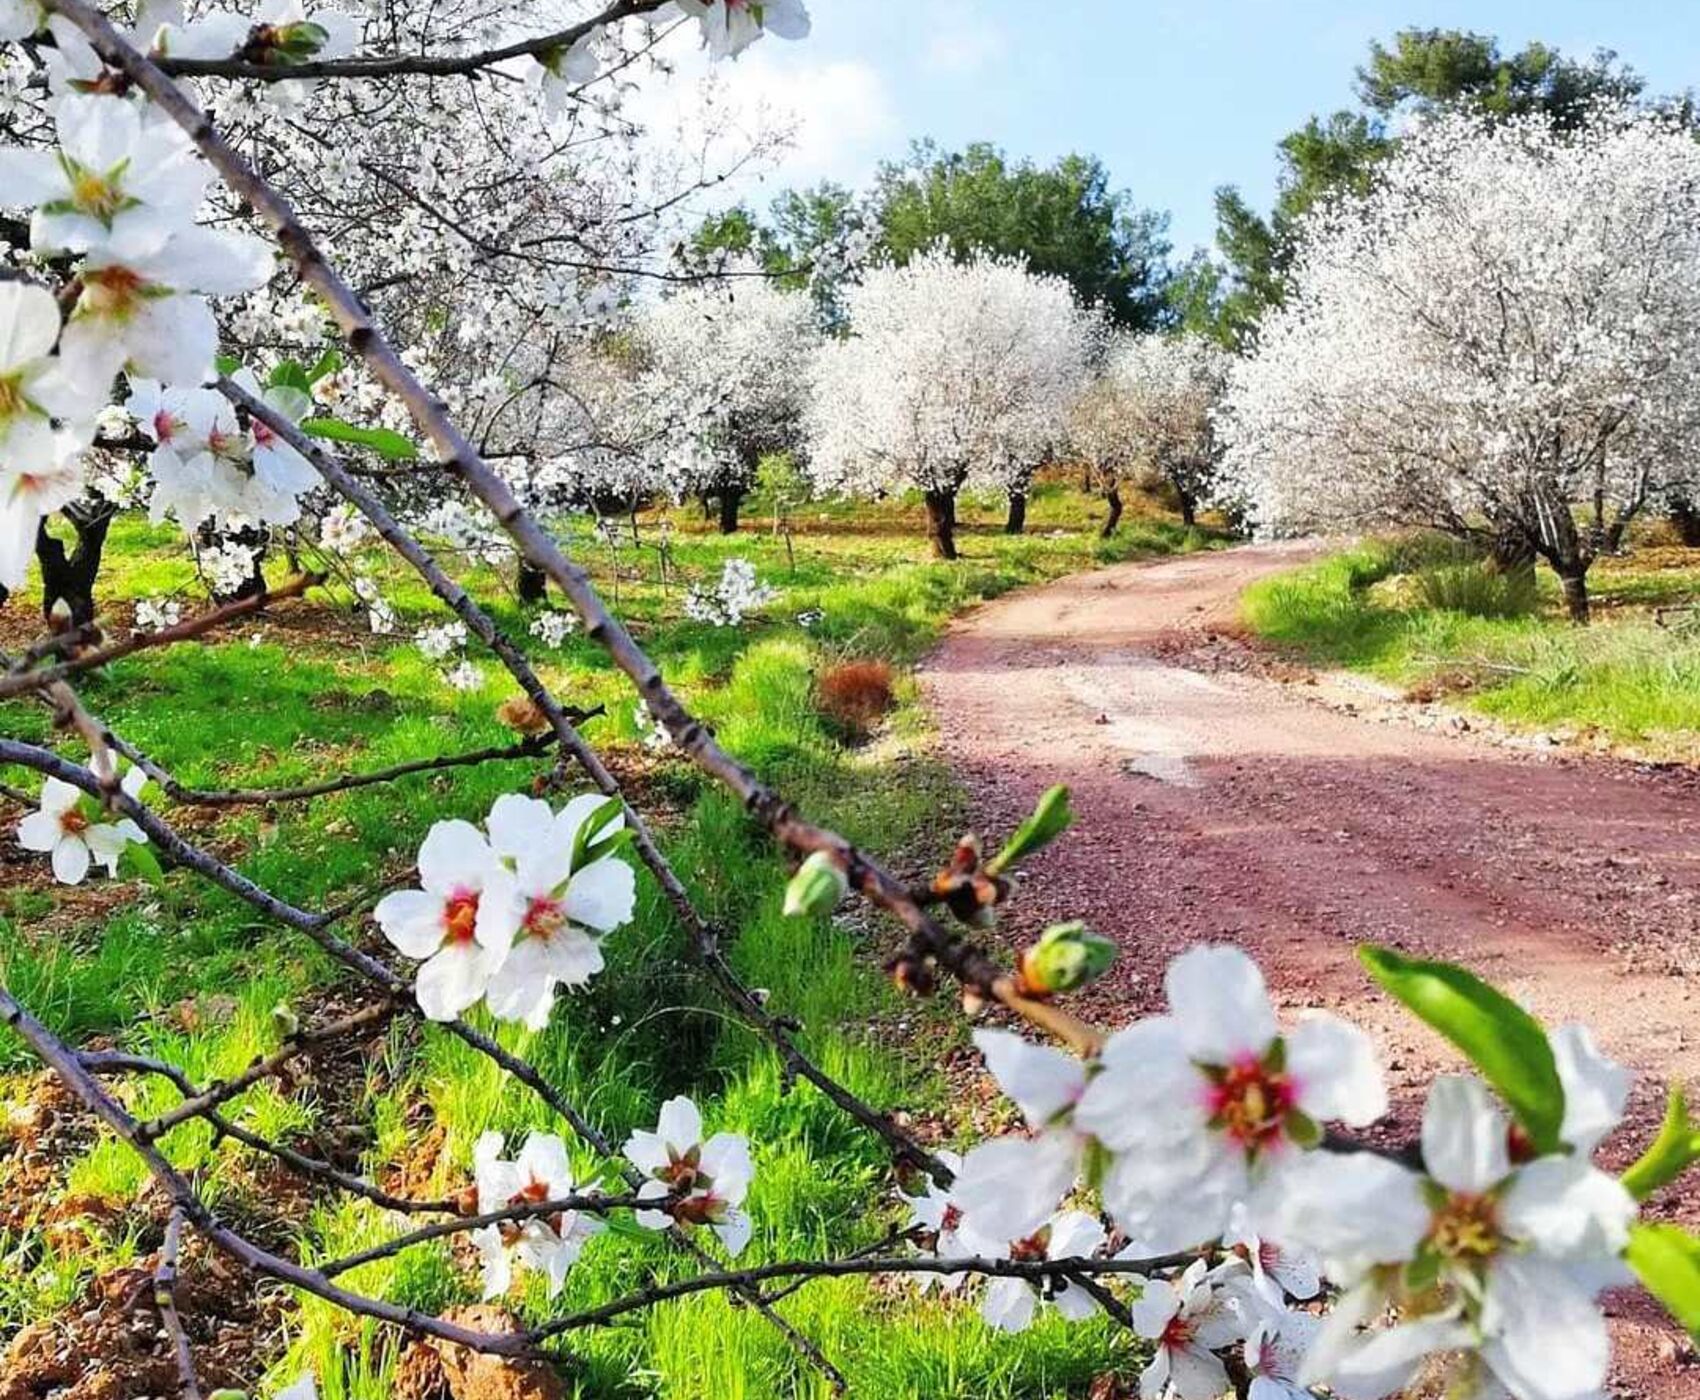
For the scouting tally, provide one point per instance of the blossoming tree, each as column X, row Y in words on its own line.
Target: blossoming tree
column 1195, row 1176
column 1500, row 340
column 951, row 372
column 1169, row 388
column 728, row 363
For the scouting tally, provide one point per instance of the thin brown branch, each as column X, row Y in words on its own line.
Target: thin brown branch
column 343, row 782
column 165, row 1300
column 406, row 65
column 20, row 682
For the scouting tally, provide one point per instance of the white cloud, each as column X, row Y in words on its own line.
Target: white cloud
column 962, row 40
column 838, row 116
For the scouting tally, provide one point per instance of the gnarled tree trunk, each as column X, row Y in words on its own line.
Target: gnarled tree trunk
column 941, row 523
column 730, row 498
column 67, row 577
column 1113, row 499
column 531, row 583
column 1017, row 521
column 1574, row 581
column 1685, row 516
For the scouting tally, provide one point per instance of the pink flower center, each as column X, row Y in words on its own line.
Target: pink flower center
column 544, row 918
column 460, row 917
column 1249, row 1102
column 1177, row 1335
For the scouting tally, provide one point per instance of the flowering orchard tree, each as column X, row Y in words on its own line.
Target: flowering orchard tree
column 1199, row 1177
column 494, row 205
column 1502, row 339
column 1169, row 388
column 731, row 362
column 1100, row 431
column 951, row 373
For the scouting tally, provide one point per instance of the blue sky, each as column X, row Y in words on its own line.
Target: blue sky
column 1177, row 96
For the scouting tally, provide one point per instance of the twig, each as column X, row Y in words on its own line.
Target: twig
column 165, row 1300
column 343, row 782
column 19, row 682
column 403, row 65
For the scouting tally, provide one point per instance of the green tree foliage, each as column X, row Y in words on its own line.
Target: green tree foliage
column 1064, row 219
column 1421, row 71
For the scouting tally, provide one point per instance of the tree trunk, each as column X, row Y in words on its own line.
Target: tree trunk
column 69, row 578
column 730, row 498
column 532, row 584
column 1575, row 587
column 1685, row 515
column 941, row 523
column 1189, row 508
column 1017, row 521
column 1112, row 498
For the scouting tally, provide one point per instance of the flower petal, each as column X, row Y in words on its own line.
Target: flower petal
column 70, row 861
column 603, row 895
column 1042, row 1080
column 454, row 857
column 1546, row 1339
column 1334, row 1065
column 1595, row 1088
column 1568, row 1208
column 1219, row 1001
column 1465, row 1146
column 412, row 920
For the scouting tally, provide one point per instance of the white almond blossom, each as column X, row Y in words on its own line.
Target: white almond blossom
column 708, row 1179
column 1009, row 1186
column 736, row 593
column 1201, row 1105
column 1203, row 1311
column 550, row 1244
column 119, row 184
column 39, row 473
column 560, row 905
column 939, row 1216
column 458, row 924
column 731, row 26
column 1009, row 1304
column 1277, row 1272
column 154, row 614
column 553, row 628
column 1493, row 1263
column 76, row 840
column 34, row 386
column 1275, row 1353
column 141, row 314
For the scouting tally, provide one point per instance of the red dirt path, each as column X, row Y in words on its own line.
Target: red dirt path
column 1224, row 806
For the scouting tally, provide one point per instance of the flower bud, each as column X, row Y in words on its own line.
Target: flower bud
column 1066, row 958
column 817, row 886
column 285, row 1022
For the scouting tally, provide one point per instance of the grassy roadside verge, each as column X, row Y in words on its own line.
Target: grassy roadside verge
column 186, row 974
column 1627, row 679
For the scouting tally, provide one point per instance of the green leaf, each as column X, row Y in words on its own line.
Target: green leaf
column 226, row 364
column 289, row 375
column 138, row 862
column 1670, row 1154
column 589, row 843
column 391, row 446
column 327, row 364
column 1049, row 820
column 1667, row 1260
column 1500, row 1039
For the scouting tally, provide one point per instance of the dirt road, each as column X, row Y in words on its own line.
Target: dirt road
column 1215, row 805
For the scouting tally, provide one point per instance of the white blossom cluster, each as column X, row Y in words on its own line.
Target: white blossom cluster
column 553, row 628
column 726, row 369
column 694, row 1181
column 1508, row 322
column 507, row 914
column 952, row 374
column 1202, row 1130
column 1165, row 391
column 735, row 594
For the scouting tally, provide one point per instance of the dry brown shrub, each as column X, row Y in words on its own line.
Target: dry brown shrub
column 855, row 695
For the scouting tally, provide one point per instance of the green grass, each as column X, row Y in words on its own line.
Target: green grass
column 192, row 975
column 1373, row 609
